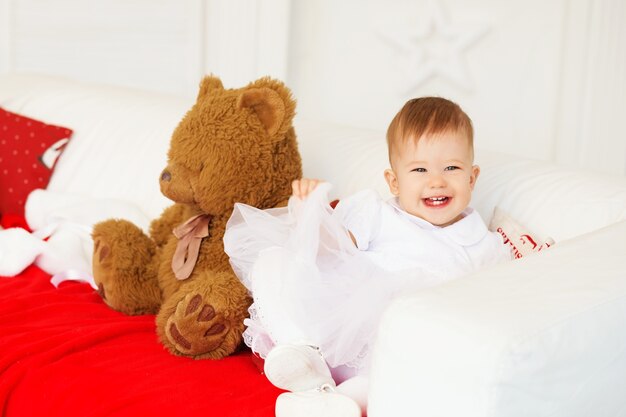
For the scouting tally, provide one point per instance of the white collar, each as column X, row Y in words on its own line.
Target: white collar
column 467, row 231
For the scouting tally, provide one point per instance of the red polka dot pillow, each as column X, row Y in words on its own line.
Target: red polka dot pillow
column 29, row 150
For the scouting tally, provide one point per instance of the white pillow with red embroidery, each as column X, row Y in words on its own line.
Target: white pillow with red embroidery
column 521, row 240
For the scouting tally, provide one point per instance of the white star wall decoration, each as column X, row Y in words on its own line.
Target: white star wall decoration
column 435, row 48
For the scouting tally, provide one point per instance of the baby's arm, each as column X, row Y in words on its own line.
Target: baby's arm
column 303, row 187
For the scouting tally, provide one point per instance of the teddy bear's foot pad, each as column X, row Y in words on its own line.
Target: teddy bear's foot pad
column 101, row 251
column 121, row 256
column 195, row 328
column 102, row 265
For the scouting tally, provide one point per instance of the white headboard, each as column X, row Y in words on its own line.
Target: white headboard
column 545, row 80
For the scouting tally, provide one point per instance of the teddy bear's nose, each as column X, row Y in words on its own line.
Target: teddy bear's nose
column 166, row 176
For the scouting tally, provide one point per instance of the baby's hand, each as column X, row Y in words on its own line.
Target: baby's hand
column 303, row 187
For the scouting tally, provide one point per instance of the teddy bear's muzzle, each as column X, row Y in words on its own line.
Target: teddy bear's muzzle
column 175, row 185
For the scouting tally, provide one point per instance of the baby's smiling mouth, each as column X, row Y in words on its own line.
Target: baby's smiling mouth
column 437, row 201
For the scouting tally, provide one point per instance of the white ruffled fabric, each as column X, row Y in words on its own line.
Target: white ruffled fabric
column 61, row 241
column 309, row 282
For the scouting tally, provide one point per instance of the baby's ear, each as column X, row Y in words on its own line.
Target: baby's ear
column 474, row 176
column 392, row 182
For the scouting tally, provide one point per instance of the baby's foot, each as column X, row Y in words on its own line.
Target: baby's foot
column 316, row 403
column 297, row 368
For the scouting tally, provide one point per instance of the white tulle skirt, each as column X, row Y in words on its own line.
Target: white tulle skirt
column 310, row 284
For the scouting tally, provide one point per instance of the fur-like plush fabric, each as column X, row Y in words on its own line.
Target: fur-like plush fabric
column 234, row 145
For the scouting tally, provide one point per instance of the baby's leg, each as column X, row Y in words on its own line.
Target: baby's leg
column 302, row 370
column 297, row 368
column 316, row 404
column 356, row 388
column 275, row 276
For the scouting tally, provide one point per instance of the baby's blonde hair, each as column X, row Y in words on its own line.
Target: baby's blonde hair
column 428, row 115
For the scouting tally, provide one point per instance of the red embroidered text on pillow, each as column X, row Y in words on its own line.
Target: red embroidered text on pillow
column 524, row 244
column 29, row 150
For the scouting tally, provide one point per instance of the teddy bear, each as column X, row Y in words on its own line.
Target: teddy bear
column 232, row 146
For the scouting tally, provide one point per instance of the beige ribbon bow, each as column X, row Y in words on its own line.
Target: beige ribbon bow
column 190, row 235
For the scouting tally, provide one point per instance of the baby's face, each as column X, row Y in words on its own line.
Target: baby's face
column 434, row 178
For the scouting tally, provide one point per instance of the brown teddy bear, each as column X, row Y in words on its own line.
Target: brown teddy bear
column 234, row 145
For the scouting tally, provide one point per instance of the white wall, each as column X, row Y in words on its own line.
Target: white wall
column 541, row 79
column 105, row 40
column 592, row 106
column 161, row 45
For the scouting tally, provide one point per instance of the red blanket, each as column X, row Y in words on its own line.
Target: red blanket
column 63, row 352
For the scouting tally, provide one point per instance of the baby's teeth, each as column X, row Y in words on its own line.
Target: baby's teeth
column 437, row 200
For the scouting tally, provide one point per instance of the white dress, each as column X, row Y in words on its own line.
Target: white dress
column 310, row 284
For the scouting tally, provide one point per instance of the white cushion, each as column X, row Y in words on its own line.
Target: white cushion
column 539, row 336
column 519, row 239
column 352, row 159
column 120, row 141
column 121, row 137
column 548, row 200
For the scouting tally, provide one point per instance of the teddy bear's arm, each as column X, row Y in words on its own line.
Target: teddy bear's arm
column 282, row 203
column 161, row 228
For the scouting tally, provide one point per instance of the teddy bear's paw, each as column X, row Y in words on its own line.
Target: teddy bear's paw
column 123, row 268
column 106, row 274
column 101, row 251
column 102, row 263
column 196, row 328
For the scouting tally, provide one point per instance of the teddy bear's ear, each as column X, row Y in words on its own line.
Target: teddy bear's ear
column 268, row 106
column 208, row 84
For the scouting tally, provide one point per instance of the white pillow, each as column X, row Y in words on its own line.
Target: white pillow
column 121, row 137
column 551, row 201
column 352, row 159
column 520, row 239
column 120, row 141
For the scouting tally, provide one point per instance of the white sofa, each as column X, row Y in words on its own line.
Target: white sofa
column 540, row 336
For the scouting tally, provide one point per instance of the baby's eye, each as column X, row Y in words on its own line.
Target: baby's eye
column 451, row 168
column 418, row 170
